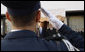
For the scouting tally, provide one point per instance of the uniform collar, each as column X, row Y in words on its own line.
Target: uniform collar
column 20, row 34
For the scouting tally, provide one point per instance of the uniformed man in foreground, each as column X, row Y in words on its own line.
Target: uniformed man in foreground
column 24, row 15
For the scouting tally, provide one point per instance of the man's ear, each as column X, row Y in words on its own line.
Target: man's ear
column 7, row 16
column 38, row 16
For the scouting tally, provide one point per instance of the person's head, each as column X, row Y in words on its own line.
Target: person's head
column 44, row 24
column 22, row 13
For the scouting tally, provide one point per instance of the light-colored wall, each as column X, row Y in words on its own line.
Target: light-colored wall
column 1, row 27
column 9, row 26
column 76, row 23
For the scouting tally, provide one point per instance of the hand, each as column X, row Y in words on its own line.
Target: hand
column 56, row 23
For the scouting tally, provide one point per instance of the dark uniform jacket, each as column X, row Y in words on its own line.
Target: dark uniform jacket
column 26, row 40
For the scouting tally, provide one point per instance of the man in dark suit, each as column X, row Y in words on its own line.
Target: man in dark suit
column 24, row 16
column 44, row 26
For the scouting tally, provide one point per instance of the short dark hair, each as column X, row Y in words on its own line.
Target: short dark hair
column 22, row 21
column 22, row 12
column 45, row 24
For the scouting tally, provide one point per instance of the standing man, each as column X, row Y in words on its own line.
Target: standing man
column 24, row 16
column 44, row 26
